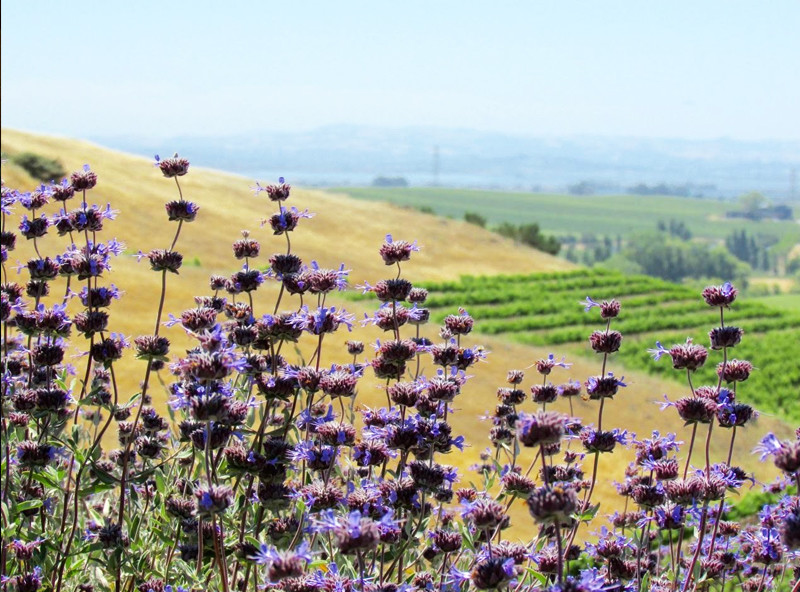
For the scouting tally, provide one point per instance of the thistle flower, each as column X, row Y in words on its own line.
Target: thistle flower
column 283, row 565
column 485, row 514
column 732, row 414
column 151, row 347
column 493, row 573
column 48, row 354
column 276, row 192
column 721, row 296
column 333, row 433
column 544, row 393
column 109, row 349
column 541, row 428
column 734, row 370
column 656, row 447
column 694, row 409
column 598, row 387
column 688, row 356
column 52, row 400
column 34, row 227
column 510, row 396
column 516, row 484
column 609, row 309
column 515, row 377
column 723, row 337
column 648, row 496
column 444, row 387
column 318, row 458
column 99, row 297
column 322, row 320
column 396, row 352
column 605, row 342
column 591, row 580
column 62, row 191
column 372, row 453
column 394, row 251
column 42, row 269
column 213, row 499
column 181, row 210
column 460, row 324
column 174, row 166
column 786, row 454
column 283, row 264
column 404, row 393
column 163, row 260
column 24, row 550
column 551, row 504
column 246, row 280
column 569, row 389
column 33, row 455
column 195, row 319
column 286, row 220
column 602, row 441
column 664, row 469
column 323, row 281
column 390, row 290
column 418, row 295
column 84, row 179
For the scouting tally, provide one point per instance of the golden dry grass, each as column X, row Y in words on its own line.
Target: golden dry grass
column 784, row 285
column 344, row 230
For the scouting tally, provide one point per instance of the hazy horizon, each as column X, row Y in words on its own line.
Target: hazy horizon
column 619, row 69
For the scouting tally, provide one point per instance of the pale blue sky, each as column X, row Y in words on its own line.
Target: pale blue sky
column 683, row 68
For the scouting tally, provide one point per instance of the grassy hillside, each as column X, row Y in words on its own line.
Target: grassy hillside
column 787, row 302
column 609, row 215
column 344, row 230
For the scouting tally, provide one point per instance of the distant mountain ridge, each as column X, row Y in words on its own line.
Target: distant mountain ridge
column 354, row 155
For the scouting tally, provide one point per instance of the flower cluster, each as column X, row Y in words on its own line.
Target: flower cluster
column 265, row 471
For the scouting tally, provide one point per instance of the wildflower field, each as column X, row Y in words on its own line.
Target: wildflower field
column 190, row 406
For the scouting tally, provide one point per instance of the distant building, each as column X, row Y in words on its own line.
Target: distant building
column 779, row 212
column 390, row 182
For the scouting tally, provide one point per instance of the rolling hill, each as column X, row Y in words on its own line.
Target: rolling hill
column 344, row 230
column 574, row 215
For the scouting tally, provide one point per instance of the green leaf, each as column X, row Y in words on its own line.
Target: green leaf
column 28, row 505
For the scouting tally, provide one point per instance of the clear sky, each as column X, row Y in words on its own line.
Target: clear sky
column 678, row 68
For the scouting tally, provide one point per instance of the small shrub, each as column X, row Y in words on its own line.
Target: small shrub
column 475, row 218
column 40, row 167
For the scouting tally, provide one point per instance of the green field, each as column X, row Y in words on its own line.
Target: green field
column 546, row 310
column 787, row 302
column 562, row 215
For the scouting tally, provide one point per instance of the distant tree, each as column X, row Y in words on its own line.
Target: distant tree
column 475, row 218
column 675, row 228
column 582, row 188
column 662, row 256
column 752, row 202
column 39, row 167
column 679, row 229
column 750, row 249
column 390, row 182
column 531, row 235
